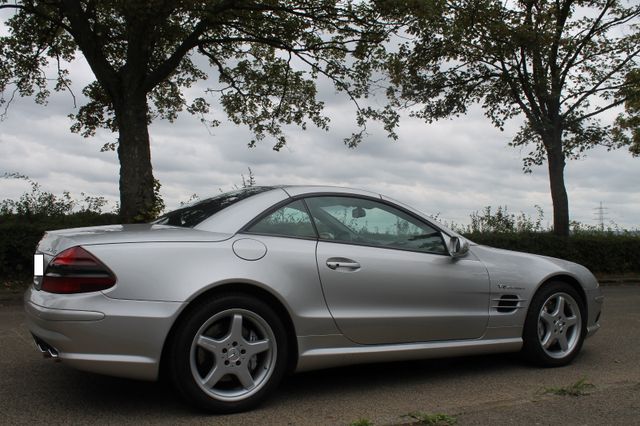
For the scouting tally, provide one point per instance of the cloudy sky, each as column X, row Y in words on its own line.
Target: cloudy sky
column 450, row 168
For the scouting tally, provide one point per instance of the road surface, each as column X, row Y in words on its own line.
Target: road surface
column 497, row 389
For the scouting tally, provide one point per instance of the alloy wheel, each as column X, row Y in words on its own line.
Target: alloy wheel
column 559, row 325
column 233, row 354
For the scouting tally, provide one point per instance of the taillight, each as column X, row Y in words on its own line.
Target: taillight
column 75, row 270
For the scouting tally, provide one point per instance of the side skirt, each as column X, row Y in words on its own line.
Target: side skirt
column 316, row 352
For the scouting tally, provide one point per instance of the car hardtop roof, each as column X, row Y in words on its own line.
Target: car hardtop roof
column 295, row 190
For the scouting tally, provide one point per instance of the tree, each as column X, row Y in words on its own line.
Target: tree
column 267, row 56
column 627, row 125
column 559, row 63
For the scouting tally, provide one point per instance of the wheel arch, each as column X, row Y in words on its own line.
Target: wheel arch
column 242, row 288
column 573, row 282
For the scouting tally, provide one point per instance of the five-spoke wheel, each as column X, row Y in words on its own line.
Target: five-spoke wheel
column 554, row 328
column 228, row 353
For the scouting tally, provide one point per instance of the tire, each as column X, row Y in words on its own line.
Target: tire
column 228, row 354
column 555, row 327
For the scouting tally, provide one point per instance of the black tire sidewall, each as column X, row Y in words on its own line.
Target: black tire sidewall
column 532, row 349
column 179, row 362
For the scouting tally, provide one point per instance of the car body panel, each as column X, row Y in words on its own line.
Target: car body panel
column 328, row 352
column 234, row 217
column 126, row 341
column 399, row 296
column 521, row 274
column 306, row 190
column 155, row 276
column 54, row 242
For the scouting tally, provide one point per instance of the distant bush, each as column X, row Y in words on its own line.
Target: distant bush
column 501, row 221
column 603, row 253
column 24, row 221
column 20, row 235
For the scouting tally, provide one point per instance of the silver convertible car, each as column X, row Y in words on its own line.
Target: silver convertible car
column 227, row 295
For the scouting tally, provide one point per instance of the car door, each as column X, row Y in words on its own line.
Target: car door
column 387, row 276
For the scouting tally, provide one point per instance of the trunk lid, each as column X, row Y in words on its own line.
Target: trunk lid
column 54, row 242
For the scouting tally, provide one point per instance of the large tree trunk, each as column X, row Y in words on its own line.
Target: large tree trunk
column 556, row 161
column 137, row 199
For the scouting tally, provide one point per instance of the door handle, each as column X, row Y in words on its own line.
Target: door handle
column 341, row 262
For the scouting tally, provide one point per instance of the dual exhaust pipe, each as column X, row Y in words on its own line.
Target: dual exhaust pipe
column 46, row 349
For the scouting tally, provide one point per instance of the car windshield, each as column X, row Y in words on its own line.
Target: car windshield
column 194, row 213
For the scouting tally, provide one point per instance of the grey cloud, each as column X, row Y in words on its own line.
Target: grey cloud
column 451, row 167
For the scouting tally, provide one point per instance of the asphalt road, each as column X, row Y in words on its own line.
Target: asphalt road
column 475, row 390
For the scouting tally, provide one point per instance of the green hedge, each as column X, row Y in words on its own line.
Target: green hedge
column 604, row 253
column 20, row 234
column 601, row 253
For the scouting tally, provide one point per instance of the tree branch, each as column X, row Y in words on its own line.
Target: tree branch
column 598, row 111
column 89, row 44
column 169, row 65
column 595, row 87
column 35, row 11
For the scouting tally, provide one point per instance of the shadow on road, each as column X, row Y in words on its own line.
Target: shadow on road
column 130, row 397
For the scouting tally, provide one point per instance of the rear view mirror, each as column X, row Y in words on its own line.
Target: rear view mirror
column 358, row 212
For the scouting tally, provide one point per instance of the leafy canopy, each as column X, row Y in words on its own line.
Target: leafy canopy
column 558, row 63
column 266, row 56
column 627, row 126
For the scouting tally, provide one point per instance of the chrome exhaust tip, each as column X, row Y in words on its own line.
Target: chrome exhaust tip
column 46, row 349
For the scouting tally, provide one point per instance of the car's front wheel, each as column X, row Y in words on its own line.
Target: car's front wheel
column 554, row 329
column 228, row 354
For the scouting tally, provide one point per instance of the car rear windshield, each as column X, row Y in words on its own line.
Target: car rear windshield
column 192, row 214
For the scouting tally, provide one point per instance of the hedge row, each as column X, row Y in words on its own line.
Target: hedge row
column 19, row 236
column 601, row 253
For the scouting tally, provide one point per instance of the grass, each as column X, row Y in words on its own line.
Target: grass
column 435, row 419
column 361, row 422
column 579, row 388
column 16, row 284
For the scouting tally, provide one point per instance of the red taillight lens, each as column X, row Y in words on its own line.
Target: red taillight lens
column 75, row 270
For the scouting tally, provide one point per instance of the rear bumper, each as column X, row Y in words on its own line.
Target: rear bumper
column 93, row 332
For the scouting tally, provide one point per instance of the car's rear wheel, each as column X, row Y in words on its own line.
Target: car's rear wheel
column 554, row 329
column 228, row 354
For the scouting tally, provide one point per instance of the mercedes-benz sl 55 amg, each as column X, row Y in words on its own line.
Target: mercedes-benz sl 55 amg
column 230, row 293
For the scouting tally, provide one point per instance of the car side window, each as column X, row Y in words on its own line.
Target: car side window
column 364, row 221
column 291, row 220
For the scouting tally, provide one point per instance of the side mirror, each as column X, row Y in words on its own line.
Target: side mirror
column 358, row 212
column 457, row 247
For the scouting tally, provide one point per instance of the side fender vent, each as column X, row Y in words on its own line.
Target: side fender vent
column 507, row 303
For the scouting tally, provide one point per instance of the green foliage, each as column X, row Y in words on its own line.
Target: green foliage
column 267, row 57
column 579, row 388
column 436, row 419
column 157, row 207
column 24, row 221
column 503, row 222
column 250, row 180
column 558, row 64
column 603, row 253
column 39, row 203
column 627, row 128
column 610, row 251
column 192, row 199
column 247, row 182
column 19, row 236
